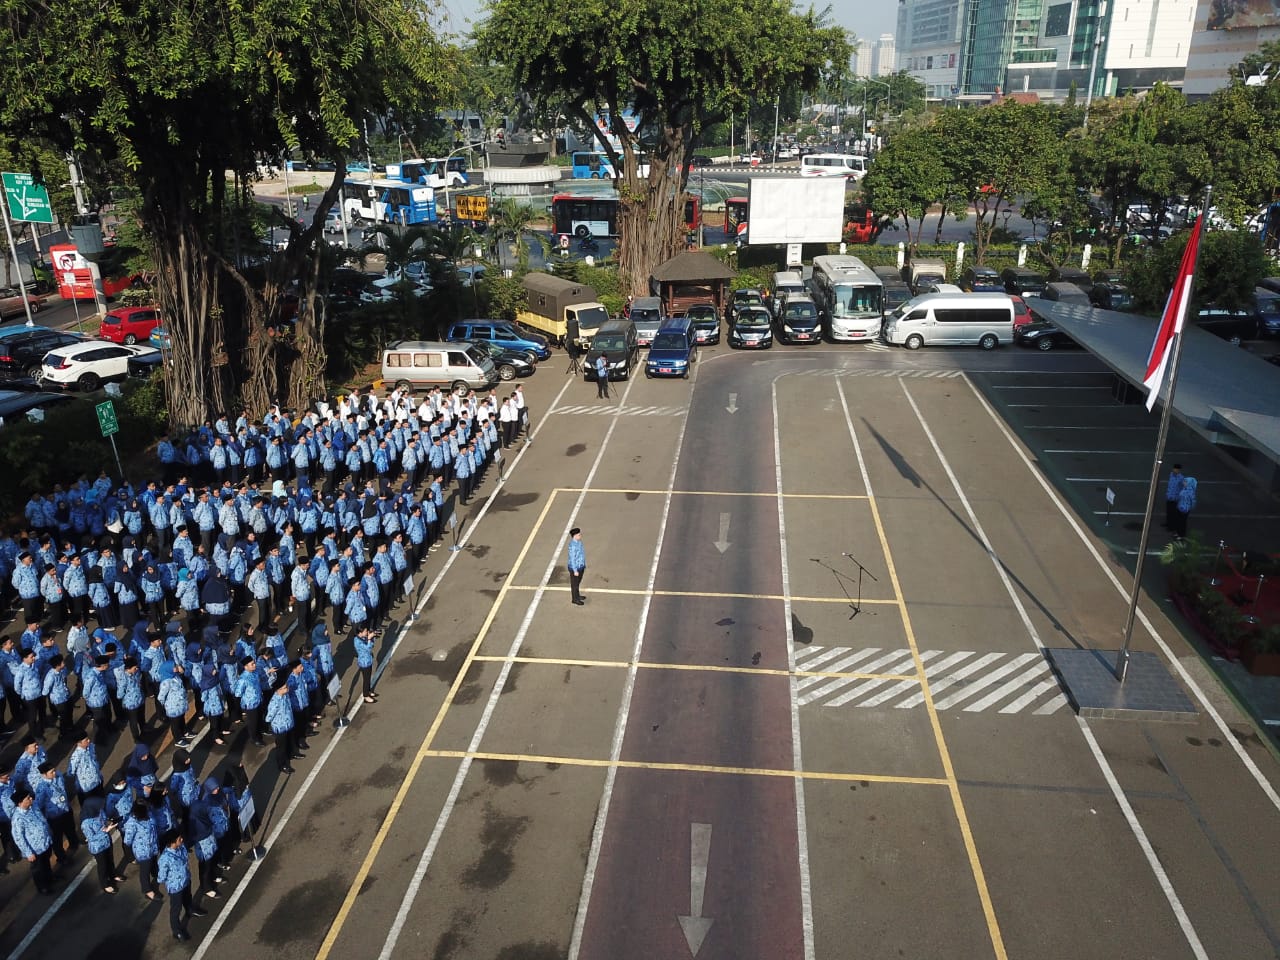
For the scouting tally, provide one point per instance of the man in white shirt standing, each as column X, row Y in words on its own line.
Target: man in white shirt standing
column 507, row 419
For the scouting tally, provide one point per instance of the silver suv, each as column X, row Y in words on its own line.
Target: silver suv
column 646, row 314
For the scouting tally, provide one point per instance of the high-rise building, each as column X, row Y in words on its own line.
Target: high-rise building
column 883, row 60
column 1224, row 35
column 1052, row 48
column 862, row 58
column 929, row 43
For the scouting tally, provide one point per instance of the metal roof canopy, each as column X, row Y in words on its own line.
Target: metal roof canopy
column 1226, row 394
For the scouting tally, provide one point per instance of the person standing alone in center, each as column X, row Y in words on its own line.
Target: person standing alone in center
column 602, row 377
column 577, row 564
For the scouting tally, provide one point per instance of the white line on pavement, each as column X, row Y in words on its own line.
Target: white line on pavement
column 446, row 812
column 1254, row 770
column 220, row 920
column 797, row 760
column 624, row 711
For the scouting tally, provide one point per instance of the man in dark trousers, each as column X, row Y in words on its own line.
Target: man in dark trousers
column 602, row 377
column 577, row 564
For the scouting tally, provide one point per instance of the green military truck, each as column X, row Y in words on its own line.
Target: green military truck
column 565, row 310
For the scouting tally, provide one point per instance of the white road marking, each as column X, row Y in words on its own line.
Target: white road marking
column 895, row 662
column 1162, row 878
column 499, row 685
column 950, row 680
column 843, row 664
column 1039, row 690
column 624, row 710
column 220, row 920
column 695, row 926
column 866, row 686
column 797, row 761
column 1228, row 737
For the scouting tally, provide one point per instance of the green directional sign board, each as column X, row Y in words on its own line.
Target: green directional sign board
column 27, row 199
column 107, row 421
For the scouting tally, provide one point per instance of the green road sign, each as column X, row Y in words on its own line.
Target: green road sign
column 27, row 199
column 107, row 422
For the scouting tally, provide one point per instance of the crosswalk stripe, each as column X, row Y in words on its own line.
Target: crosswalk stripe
column 952, row 678
column 841, row 666
column 899, row 662
column 869, row 685
column 1031, row 696
column 832, row 653
column 1059, row 701
column 609, row 410
column 1008, row 687
column 985, row 681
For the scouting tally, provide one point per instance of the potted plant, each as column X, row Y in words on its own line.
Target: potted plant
column 1261, row 653
column 1184, row 559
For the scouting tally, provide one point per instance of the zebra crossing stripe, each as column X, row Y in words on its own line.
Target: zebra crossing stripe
column 966, row 680
column 612, row 411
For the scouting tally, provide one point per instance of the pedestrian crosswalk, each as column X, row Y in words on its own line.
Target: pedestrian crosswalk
column 613, row 410
column 892, row 374
column 963, row 680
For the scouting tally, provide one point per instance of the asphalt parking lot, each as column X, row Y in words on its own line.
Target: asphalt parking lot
column 737, row 749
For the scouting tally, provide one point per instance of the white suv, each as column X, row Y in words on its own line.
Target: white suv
column 86, row 365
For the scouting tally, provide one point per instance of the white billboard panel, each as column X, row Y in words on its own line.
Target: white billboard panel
column 795, row 209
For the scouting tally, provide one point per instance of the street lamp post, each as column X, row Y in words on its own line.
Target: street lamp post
column 888, row 104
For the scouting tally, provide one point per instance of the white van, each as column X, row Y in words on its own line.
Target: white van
column 949, row 319
column 786, row 283
column 848, row 165
column 411, row 364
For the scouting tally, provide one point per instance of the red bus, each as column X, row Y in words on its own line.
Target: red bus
column 583, row 216
column 735, row 218
column 74, row 274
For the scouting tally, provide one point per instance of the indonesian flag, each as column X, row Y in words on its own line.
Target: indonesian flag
column 1175, row 313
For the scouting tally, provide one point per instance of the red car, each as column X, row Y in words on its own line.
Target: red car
column 129, row 324
column 1021, row 312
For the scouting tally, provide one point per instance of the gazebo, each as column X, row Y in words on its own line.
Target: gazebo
column 688, row 278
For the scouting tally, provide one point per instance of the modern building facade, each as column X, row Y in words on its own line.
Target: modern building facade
column 1047, row 47
column 1226, row 33
column 884, row 58
column 862, row 60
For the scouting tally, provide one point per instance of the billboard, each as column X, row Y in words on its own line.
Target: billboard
column 795, row 209
column 1242, row 14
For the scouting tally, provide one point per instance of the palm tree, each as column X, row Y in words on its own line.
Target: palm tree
column 511, row 220
column 444, row 247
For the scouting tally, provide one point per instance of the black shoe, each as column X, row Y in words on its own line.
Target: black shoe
column 183, row 935
column 579, row 603
column 298, row 756
column 286, row 770
column 259, row 743
column 198, row 912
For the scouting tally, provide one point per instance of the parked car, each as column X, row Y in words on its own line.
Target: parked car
column 706, row 322
column 1042, row 335
column 1234, row 326
column 16, row 402
column 129, row 324
column 981, row 280
column 1111, row 296
column 798, row 321
column 22, row 355
column 745, row 297
column 531, row 346
column 144, row 365
column 616, row 341
column 750, row 328
column 509, row 363
column 646, row 314
column 673, row 351
column 11, row 303
column 86, row 365
column 1064, row 292
column 1023, row 281
column 1021, row 312
column 1071, row 275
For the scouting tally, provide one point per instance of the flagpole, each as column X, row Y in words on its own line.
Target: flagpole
column 1166, row 418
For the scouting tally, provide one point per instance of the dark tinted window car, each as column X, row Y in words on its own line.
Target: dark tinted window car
column 1071, row 275
column 1111, row 296
column 1023, row 281
column 1232, row 325
column 20, row 355
column 981, row 280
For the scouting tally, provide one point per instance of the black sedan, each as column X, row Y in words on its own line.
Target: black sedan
column 509, row 363
column 1042, row 335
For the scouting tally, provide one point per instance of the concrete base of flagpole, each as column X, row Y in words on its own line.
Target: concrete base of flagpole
column 1149, row 691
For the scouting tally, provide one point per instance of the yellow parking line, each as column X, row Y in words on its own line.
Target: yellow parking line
column 619, row 591
column 724, row 493
column 787, row 773
column 690, row 667
column 957, row 802
column 384, row 829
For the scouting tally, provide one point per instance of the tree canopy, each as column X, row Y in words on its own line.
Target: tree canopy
column 180, row 94
column 678, row 67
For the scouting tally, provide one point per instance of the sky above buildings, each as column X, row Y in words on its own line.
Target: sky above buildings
column 866, row 18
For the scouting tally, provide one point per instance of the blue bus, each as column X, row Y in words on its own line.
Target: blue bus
column 436, row 172
column 388, row 201
column 591, row 166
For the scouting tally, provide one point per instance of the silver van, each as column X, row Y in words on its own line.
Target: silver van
column 949, row 319
column 410, row 364
column 786, row 283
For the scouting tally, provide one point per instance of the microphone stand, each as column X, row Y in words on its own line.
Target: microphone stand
column 857, row 609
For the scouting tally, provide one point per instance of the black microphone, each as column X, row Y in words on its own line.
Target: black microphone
column 814, row 560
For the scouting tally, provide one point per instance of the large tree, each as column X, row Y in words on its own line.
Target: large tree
column 678, row 67
column 180, row 94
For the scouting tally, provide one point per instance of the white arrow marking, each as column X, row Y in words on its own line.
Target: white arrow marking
column 696, row 926
column 722, row 544
column 733, row 403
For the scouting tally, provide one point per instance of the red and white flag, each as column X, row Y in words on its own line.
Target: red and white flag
column 1175, row 313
